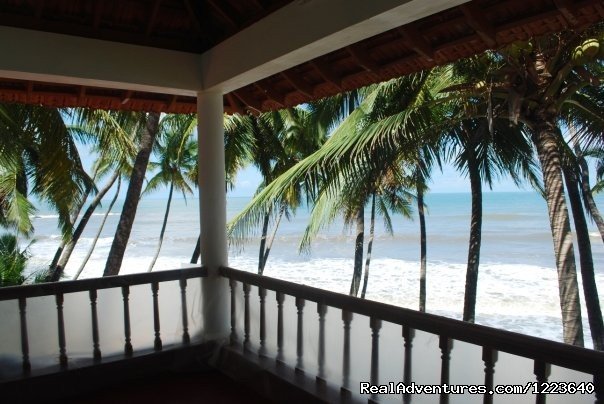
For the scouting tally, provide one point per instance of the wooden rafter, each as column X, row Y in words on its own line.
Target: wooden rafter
column 272, row 94
column 417, row 42
column 126, row 97
column 81, row 94
column 98, row 14
column 172, row 102
column 30, row 90
column 257, row 5
column 234, row 104
column 479, row 23
column 39, row 9
column 152, row 17
column 362, row 58
column 224, row 15
column 194, row 18
column 248, row 101
column 327, row 73
column 568, row 10
column 298, row 83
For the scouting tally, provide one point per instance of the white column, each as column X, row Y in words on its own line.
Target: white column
column 212, row 205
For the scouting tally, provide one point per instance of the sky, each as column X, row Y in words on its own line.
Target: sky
column 446, row 182
column 249, row 178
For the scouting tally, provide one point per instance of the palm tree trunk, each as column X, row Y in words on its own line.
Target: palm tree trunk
column 358, row 252
column 369, row 246
column 590, row 290
column 263, row 243
column 422, row 245
column 56, row 273
column 588, row 197
column 270, row 243
column 124, row 227
column 547, row 150
column 64, row 241
column 469, row 306
column 163, row 228
column 100, row 230
column 196, row 251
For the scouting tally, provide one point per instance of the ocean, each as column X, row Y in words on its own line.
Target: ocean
column 517, row 285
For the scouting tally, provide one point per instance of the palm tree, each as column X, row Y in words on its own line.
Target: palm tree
column 536, row 80
column 122, row 233
column 349, row 155
column 112, row 134
column 592, row 302
column 177, row 159
column 483, row 151
column 541, row 78
column 27, row 132
column 280, row 140
column 12, row 261
column 100, row 230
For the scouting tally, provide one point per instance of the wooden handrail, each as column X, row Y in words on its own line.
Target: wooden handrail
column 52, row 288
column 555, row 353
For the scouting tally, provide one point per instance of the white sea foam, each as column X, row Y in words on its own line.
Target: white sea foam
column 517, row 286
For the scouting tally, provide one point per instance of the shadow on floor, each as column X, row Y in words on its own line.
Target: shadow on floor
column 175, row 388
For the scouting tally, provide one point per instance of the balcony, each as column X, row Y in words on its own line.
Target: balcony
column 145, row 333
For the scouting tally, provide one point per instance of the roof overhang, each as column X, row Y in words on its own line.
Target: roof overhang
column 302, row 50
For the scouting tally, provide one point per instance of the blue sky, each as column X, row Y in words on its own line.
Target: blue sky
column 448, row 181
column 249, row 178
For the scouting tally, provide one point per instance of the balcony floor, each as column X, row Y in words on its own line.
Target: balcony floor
column 175, row 388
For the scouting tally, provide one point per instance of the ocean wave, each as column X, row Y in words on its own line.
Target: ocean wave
column 44, row 217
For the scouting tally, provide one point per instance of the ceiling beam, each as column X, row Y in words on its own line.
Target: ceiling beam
column 568, row 10
column 39, row 9
column 234, row 104
column 302, row 31
column 479, row 23
column 65, row 59
column 248, row 101
column 415, row 41
column 172, row 101
column 327, row 73
column 81, row 94
column 98, row 14
column 194, row 18
column 362, row 58
column 271, row 94
column 298, row 83
column 152, row 17
column 30, row 90
column 224, row 16
column 126, row 97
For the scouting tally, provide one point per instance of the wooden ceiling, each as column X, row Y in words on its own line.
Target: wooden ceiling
column 197, row 25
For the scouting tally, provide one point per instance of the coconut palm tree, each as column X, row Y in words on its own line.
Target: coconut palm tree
column 177, row 153
column 135, row 185
column 27, row 132
column 483, row 155
column 280, row 140
column 113, row 135
column 99, row 230
column 542, row 76
column 12, row 261
column 570, row 170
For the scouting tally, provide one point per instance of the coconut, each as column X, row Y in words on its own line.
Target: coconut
column 586, row 52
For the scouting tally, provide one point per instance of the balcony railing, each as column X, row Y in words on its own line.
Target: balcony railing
column 127, row 313
column 336, row 341
column 343, row 341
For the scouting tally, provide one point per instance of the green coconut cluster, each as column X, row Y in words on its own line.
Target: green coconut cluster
column 589, row 50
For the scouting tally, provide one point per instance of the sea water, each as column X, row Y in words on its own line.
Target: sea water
column 517, row 282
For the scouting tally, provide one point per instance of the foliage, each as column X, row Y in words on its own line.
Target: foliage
column 12, row 261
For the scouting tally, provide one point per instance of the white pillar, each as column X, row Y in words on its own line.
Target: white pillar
column 212, row 205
